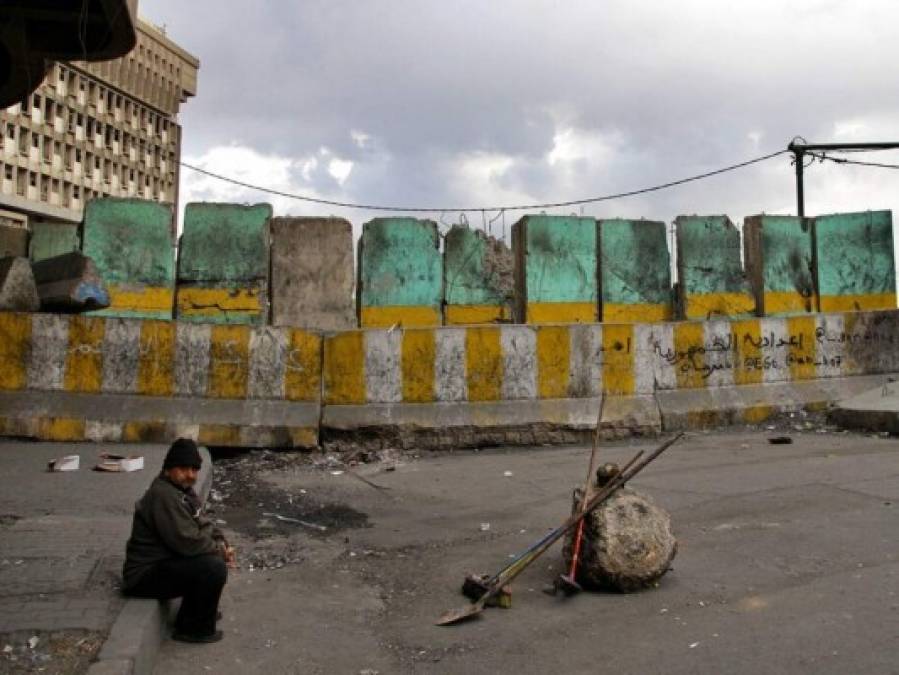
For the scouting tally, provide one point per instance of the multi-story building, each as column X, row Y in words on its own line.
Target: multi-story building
column 95, row 129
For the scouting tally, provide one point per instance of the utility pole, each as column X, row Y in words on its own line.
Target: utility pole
column 799, row 148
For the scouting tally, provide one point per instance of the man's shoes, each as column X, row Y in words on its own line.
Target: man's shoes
column 215, row 636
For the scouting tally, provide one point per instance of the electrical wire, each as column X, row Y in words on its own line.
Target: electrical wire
column 841, row 160
column 483, row 209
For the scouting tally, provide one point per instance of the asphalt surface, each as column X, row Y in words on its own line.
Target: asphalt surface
column 788, row 562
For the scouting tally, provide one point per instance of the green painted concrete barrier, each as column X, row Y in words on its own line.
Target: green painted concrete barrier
column 223, row 264
column 635, row 271
column 131, row 243
column 854, row 261
column 478, row 278
column 49, row 240
column 710, row 273
column 779, row 264
column 555, row 270
column 400, row 278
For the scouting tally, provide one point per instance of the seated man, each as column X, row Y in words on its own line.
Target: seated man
column 176, row 552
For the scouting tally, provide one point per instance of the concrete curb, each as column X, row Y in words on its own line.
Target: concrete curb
column 874, row 410
column 137, row 633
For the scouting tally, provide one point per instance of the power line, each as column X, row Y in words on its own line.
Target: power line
column 842, row 160
column 482, row 209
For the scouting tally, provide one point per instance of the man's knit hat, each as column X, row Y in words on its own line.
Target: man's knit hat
column 183, row 452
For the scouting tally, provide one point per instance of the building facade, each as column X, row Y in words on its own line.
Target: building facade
column 98, row 129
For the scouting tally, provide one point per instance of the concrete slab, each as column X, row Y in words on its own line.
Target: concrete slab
column 874, row 410
column 18, row 292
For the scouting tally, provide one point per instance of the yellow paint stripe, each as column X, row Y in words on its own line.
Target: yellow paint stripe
column 60, row 429
column 801, row 356
column 852, row 303
column 303, row 367
column 408, row 317
column 710, row 305
column 304, row 437
column 749, row 359
column 636, row 313
column 219, row 434
column 562, row 312
column 84, row 360
column 787, row 302
column 344, row 368
column 553, row 361
column 155, row 368
column 229, row 352
column 689, row 344
column 457, row 315
column 618, row 376
column 418, row 354
column 153, row 431
column 483, row 364
column 149, row 299
column 15, row 346
column 757, row 413
column 193, row 301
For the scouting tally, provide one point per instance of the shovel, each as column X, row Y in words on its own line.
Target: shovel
column 460, row 614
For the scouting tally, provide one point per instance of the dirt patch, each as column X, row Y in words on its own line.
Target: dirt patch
column 54, row 653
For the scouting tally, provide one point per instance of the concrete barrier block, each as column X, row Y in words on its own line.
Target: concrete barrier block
column 555, row 269
column 400, row 277
column 18, row 291
column 854, row 265
column 49, row 240
column 478, row 278
column 131, row 243
column 223, row 264
column 69, row 282
column 312, row 273
column 778, row 254
column 13, row 241
column 711, row 281
column 635, row 271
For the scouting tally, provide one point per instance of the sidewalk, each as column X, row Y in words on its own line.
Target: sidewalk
column 62, row 537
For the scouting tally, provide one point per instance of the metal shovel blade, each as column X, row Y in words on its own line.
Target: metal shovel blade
column 567, row 585
column 460, row 614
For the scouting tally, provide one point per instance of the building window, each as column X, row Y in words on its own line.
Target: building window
column 32, row 179
column 7, row 172
column 35, row 141
column 10, row 130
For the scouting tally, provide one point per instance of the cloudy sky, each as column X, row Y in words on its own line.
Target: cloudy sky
column 469, row 104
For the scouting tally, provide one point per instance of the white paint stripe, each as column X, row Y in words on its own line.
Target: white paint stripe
column 102, row 432
column 49, row 348
column 121, row 352
column 519, row 347
column 268, row 349
column 653, row 343
column 192, row 347
column 449, row 365
column 585, row 360
column 383, row 379
column 719, row 356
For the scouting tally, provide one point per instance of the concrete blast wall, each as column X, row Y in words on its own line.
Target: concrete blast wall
column 854, row 264
column 710, row 274
column 635, row 271
column 400, row 278
column 49, row 240
column 130, row 241
column 478, row 278
column 779, row 264
column 555, row 269
column 223, row 264
column 13, row 242
column 312, row 273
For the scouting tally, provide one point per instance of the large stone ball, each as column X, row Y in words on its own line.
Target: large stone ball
column 627, row 543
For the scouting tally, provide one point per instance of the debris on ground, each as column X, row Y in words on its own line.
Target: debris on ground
column 627, row 543
column 54, row 653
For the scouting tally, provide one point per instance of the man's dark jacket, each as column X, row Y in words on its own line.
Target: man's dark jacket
column 167, row 524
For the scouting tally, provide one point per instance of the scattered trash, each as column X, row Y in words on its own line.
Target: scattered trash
column 694, row 644
column 32, row 641
column 485, row 527
column 7, row 649
column 338, row 472
column 67, row 463
column 780, row 440
column 119, row 463
column 664, row 610
column 507, row 473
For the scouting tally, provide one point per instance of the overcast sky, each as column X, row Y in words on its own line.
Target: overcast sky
column 464, row 103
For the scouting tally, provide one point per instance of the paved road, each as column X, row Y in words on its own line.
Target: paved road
column 788, row 563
